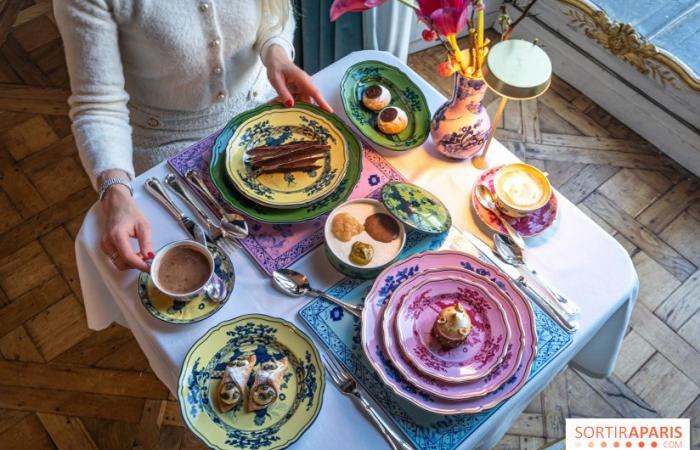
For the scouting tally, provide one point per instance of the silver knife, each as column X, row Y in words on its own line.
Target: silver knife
column 569, row 325
column 157, row 190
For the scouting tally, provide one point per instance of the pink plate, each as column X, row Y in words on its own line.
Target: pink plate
column 371, row 333
column 486, row 344
column 528, row 226
column 439, row 388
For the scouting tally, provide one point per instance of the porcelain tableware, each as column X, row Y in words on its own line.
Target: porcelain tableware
column 219, row 177
column 487, row 342
column 404, row 95
column 371, row 332
column 520, row 189
column 415, row 207
column 274, row 427
column 449, row 390
column 294, row 188
column 528, row 226
column 168, row 309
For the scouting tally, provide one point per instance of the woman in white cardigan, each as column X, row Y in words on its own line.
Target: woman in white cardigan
column 149, row 77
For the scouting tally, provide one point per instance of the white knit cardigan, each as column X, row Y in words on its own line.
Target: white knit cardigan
column 149, row 77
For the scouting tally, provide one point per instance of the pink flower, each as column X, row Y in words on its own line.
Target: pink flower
column 447, row 17
column 340, row 7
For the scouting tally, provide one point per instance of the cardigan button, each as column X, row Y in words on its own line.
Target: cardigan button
column 215, row 43
column 221, row 96
column 204, row 7
column 218, row 70
column 152, row 122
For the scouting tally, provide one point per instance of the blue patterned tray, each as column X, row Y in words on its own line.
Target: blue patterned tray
column 341, row 333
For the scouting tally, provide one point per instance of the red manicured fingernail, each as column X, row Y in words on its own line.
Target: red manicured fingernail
column 289, row 103
column 151, row 255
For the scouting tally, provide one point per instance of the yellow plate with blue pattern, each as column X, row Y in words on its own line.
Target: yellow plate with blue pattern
column 281, row 126
column 272, row 428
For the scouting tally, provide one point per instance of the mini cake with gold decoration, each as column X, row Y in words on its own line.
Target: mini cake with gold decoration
column 452, row 326
column 392, row 120
column 376, row 97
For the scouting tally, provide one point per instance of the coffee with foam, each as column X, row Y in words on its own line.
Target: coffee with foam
column 521, row 188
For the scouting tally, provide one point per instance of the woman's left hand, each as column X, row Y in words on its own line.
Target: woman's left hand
column 290, row 81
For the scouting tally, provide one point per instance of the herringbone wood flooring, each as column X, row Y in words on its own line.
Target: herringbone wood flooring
column 64, row 386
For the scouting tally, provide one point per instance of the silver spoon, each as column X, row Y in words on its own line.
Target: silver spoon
column 513, row 255
column 485, row 197
column 233, row 222
column 296, row 284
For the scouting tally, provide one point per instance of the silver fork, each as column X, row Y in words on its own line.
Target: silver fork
column 221, row 238
column 348, row 386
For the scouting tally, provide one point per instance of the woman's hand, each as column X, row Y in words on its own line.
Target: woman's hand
column 125, row 222
column 289, row 80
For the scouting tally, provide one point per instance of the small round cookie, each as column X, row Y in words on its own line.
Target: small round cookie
column 376, row 97
column 392, row 120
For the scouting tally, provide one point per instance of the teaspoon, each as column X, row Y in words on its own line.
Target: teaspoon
column 485, row 198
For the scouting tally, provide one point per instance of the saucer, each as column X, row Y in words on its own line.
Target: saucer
column 167, row 309
column 528, row 226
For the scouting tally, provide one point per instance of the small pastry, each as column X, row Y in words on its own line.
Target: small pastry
column 361, row 253
column 376, row 97
column 452, row 326
column 267, row 384
column 382, row 227
column 392, row 120
column 344, row 226
column 234, row 381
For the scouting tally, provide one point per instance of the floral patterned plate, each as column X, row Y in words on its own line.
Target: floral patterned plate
column 404, row 94
column 219, row 176
column 274, row 427
column 528, row 226
column 487, row 342
column 174, row 311
column 416, row 207
column 290, row 189
column 371, row 333
column 443, row 389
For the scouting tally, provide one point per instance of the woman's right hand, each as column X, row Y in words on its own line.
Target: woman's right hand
column 125, row 222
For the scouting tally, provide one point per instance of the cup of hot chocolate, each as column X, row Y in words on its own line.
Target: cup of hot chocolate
column 520, row 189
column 184, row 270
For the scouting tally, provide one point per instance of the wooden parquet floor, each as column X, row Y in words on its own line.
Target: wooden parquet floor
column 67, row 387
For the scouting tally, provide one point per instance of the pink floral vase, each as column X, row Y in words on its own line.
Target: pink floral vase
column 461, row 125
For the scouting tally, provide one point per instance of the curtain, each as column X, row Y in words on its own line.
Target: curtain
column 388, row 28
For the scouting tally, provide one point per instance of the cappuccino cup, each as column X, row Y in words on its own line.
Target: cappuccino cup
column 184, row 270
column 520, row 189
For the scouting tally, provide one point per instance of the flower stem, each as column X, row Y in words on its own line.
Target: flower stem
column 408, row 3
column 452, row 39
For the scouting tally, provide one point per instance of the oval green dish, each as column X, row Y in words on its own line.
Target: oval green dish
column 219, row 176
column 173, row 311
column 272, row 428
column 404, row 94
column 416, row 207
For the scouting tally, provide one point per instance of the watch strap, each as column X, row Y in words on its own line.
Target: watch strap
column 102, row 189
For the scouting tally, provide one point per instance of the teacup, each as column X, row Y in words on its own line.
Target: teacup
column 184, row 270
column 520, row 189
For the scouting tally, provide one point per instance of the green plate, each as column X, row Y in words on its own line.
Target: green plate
column 416, row 207
column 174, row 311
column 404, row 94
column 274, row 427
column 219, row 176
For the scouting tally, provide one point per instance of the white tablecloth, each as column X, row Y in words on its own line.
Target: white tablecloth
column 581, row 259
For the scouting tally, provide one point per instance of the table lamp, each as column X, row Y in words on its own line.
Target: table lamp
column 514, row 69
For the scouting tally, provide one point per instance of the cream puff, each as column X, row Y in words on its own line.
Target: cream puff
column 452, row 326
column 376, row 97
column 392, row 120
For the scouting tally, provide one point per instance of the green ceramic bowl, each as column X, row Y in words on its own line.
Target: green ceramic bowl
column 404, row 94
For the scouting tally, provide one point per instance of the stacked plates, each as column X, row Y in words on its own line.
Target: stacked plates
column 285, row 197
column 401, row 309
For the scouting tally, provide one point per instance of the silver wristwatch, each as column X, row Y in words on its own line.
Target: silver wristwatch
column 111, row 182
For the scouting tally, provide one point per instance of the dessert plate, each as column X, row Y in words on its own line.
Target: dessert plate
column 288, row 189
column 528, row 226
column 274, row 427
column 371, row 333
column 484, row 348
column 451, row 391
column 167, row 309
column 404, row 94
column 219, row 176
column 416, row 207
